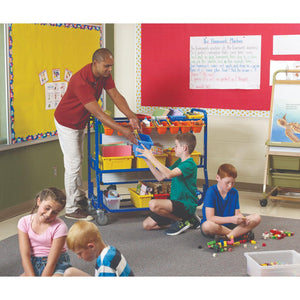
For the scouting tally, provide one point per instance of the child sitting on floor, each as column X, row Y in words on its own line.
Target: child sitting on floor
column 42, row 236
column 221, row 209
column 85, row 240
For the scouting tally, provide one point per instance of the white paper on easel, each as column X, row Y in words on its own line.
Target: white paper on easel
column 276, row 65
column 286, row 44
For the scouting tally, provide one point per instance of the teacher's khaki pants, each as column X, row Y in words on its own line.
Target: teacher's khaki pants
column 71, row 143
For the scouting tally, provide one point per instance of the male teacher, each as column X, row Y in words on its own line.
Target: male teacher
column 71, row 116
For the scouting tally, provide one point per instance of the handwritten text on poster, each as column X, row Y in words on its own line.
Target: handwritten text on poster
column 225, row 62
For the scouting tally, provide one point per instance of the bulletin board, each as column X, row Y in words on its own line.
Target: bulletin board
column 165, row 65
column 39, row 55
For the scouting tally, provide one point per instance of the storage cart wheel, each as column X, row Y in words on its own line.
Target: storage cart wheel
column 90, row 209
column 102, row 218
column 274, row 193
column 263, row 202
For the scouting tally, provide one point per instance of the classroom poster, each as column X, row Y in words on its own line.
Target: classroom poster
column 54, row 91
column 225, row 62
column 285, row 123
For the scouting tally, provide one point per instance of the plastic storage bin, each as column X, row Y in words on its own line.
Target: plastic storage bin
column 185, row 126
column 144, row 140
column 108, row 131
column 161, row 196
column 139, row 201
column 115, row 163
column 197, row 126
column 147, row 129
column 285, row 162
column 140, row 162
column 174, row 128
column 172, row 158
column 288, row 179
column 288, row 263
column 112, row 203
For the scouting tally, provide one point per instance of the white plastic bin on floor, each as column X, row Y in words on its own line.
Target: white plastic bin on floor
column 112, row 202
column 288, row 263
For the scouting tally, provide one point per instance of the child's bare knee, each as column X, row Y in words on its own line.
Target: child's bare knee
column 257, row 219
column 69, row 271
column 153, row 205
column 146, row 225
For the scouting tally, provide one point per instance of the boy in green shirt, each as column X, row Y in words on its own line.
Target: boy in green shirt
column 180, row 209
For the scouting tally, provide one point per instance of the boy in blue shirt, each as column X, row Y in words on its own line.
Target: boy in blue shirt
column 221, row 209
column 180, row 209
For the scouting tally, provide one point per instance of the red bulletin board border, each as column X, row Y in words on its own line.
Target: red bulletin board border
column 165, row 62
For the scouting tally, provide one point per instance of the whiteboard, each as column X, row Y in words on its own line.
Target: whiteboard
column 225, row 62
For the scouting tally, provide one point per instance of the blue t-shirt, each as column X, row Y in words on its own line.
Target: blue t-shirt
column 111, row 262
column 223, row 207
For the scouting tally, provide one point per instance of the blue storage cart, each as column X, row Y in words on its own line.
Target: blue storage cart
column 96, row 196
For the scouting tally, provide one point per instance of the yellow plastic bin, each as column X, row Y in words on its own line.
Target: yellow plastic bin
column 140, row 162
column 172, row 158
column 115, row 163
column 139, row 201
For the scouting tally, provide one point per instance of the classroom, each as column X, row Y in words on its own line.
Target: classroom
column 239, row 114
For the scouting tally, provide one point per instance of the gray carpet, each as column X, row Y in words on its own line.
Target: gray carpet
column 155, row 254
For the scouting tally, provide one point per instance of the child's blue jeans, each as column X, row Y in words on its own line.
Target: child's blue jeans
column 39, row 264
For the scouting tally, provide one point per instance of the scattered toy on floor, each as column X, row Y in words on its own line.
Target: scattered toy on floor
column 276, row 234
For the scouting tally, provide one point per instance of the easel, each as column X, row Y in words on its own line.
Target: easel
column 282, row 169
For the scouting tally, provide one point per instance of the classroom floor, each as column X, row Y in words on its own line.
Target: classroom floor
column 249, row 202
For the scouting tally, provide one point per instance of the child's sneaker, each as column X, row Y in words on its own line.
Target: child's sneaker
column 247, row 236
column 178, row 227
column 195, row 221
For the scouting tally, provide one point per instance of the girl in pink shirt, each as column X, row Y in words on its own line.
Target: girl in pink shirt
column 42, row 236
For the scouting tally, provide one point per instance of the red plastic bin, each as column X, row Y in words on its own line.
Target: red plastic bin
column 161, row 196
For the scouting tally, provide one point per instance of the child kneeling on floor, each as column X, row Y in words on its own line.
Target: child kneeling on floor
column 222, row 217
column 84, row 239
column 180, row 209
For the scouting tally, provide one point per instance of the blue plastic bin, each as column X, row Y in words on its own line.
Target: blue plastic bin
column 144, row 140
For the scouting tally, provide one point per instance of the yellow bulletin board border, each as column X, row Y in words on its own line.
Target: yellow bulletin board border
column 17, row 134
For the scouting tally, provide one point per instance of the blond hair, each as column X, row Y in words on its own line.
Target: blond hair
column 81, row 233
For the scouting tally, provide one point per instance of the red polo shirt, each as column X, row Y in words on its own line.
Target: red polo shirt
column 83, row 88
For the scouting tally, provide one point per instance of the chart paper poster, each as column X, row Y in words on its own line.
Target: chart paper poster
column 225, row 62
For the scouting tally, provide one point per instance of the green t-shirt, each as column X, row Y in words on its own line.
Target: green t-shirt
column 184, row 187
